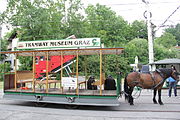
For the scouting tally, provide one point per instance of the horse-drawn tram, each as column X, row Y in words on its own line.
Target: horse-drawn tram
column 61, row 76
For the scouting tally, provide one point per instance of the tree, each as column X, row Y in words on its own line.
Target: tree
column 175, row 31
column 137, row 47
column 42, row 20
column 103, row 22
column 139, row 29
column 4, row 68
column 53, row 19
column 167, row 40
column 161, row 52
column 36, row 20
column 3, row 48
column 4, row 44
column 75, row 23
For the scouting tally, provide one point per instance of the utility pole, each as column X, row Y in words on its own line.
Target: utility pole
column 148, row 15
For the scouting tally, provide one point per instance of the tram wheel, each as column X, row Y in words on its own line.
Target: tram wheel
column 72, row 106
column 40, row 104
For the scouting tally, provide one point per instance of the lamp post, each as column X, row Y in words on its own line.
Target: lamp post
column 148, row 15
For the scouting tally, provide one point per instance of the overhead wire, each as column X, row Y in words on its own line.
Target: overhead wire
column 124, row 4
column 169, row 17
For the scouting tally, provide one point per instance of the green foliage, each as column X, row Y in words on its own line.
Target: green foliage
column 104, row 23
column 93, row 63
column 139, row 29
column 37, row 20
column 167, row 40
column 4, row 68
column 175, row 31
column 3, row 45
column 53, row 19
column 114, row 64
column 26, row 63
column 161, row 52
column 111, row 65
column 137, row 47
column 1, row 85
column 3, row 48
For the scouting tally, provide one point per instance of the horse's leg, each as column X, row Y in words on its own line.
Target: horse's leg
column 159, row 99
column 130, row 96
column 154, row 97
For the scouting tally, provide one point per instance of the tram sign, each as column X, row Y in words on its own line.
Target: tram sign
column 69, row 82
column 60, row 44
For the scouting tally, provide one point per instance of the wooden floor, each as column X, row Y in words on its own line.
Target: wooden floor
column 66, row 91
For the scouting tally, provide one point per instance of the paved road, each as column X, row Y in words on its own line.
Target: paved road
column 142, row 110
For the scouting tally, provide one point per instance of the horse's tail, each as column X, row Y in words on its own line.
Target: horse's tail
column 126, row 89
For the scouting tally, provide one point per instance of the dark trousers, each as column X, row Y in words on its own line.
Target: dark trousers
column 172, row 85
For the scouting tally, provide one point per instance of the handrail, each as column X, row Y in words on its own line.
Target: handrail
column 6, row 73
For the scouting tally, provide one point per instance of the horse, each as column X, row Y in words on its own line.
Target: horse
column 153, row 80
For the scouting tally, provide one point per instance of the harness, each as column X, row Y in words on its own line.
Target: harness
column 153, row 78
column 161, row 74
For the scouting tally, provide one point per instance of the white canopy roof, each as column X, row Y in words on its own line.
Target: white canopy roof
column 168, row 61
column 90, row 51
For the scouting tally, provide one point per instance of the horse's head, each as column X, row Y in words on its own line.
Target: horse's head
column 169, row 73
column 175, row 75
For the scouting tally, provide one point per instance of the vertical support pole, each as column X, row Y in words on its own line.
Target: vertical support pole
column 47, row 66
column 118, row 83
column 34, row 66
column 118, row 90
column 77, row 73
column 73, row 67
column 100, row 72
column 61, row 71
column 85, row 67
column 15, row 79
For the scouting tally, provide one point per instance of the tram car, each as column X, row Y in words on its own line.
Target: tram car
column 71, row 87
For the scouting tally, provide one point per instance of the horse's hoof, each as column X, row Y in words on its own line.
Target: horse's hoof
column 161, row 103
column 131, row 103
column 155, row 103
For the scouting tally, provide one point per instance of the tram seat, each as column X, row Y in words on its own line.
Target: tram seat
column 145, row 69
column 41, row 83
column 98, row 82
column 24, row 77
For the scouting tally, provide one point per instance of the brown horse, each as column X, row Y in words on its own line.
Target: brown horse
column 152, row 80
